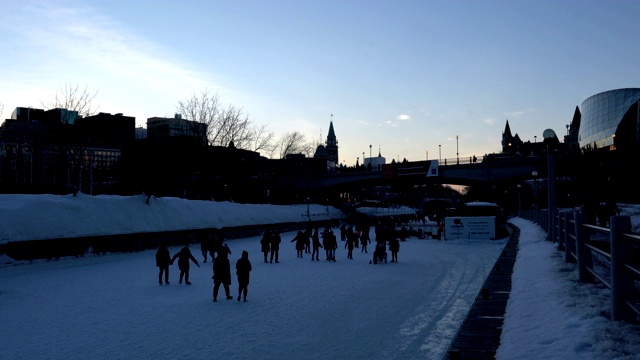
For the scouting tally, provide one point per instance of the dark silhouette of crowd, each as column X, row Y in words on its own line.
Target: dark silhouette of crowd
column 309, row 241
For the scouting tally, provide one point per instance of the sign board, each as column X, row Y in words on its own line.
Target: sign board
column 432, row 169
column 472, row 227
column 407, row 169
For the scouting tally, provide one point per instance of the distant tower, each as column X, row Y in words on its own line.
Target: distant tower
column 510, row 143
column 332, row 144
column 506, row 138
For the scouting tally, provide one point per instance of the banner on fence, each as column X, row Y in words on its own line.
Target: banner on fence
column 473, row 227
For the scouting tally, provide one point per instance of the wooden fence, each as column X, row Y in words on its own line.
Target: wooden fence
column 616, row 249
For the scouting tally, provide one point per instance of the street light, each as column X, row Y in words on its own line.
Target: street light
column 439, row 153
column 457, row 152
column 535, row 191
column 427, row 152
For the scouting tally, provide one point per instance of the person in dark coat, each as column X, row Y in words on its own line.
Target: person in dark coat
column 275, row 245
column 394, row 247
column 163, row 260
column 300, row 242
column 365, row 238
column 352, row 239
column 265, row 244
column 184, row 256
column 315, row 238
column 331, row 244
column 379, row 253
column 221, row 275
column 243, row 268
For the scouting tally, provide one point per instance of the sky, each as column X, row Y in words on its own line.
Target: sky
column 400, row 78
column 112, row 307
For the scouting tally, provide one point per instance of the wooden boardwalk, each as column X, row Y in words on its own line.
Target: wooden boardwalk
column 479, row 335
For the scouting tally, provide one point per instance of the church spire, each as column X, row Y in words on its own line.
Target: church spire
column 332, row 143
column 507, row 130
column 331, row 138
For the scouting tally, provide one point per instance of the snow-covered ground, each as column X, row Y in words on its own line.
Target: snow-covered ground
column 111, row 306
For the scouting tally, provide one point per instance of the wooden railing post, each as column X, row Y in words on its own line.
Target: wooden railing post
column 551, row 198
column 622, row 284
column 569, row 244
column 561, row 232
column 583, row 253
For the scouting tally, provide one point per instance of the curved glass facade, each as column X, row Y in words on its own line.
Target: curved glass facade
column 601, row 116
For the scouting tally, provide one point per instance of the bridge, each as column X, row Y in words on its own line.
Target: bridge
column 489, row 169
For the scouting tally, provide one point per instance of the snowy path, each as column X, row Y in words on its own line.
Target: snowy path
column 111, row 307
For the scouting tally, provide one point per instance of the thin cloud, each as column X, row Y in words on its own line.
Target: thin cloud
column 98, row 44
column 489, row 121
column 404, row 117
column 515, row 114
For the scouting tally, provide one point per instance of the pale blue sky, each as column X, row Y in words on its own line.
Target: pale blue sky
column 402, row 76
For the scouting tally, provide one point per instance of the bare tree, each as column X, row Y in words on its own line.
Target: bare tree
column 224, row 125
column 291, row 143
column 234, row 126
column 203, row 109
column 1, row 110
column 262, row 139
column 70, row 98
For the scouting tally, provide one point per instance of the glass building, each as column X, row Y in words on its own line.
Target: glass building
column 610, row 120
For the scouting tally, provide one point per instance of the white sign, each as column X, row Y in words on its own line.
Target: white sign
column 475, row 227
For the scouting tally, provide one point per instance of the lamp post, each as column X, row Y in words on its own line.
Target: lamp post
column 427, row 153
column 439, row 153
column 457, row 152
column 519, row 199
column 363, row 159
column 535, row 194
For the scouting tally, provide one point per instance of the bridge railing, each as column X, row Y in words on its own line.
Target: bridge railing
column 606, row 255
column 461, row 161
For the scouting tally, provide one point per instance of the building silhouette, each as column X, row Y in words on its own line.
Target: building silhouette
column 160, row 127
column 60, row 151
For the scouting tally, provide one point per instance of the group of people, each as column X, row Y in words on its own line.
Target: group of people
column 221, row 266
column 211, row 244
column 270, row 245
column 164, row 259
column 306, row 242
column 309, row 242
